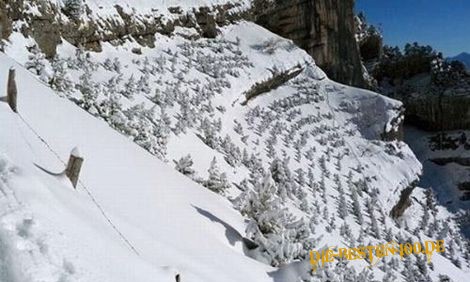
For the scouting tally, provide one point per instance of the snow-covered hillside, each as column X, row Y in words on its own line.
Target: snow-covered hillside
column 302, row 165
column 51, row 232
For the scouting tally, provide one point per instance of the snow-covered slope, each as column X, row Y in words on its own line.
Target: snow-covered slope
column 51, row 232
column 446, row 168
column 310, row 163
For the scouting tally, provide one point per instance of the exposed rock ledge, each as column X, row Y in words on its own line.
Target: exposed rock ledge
column 324, row 28
column 48, row 25
column 448, row 111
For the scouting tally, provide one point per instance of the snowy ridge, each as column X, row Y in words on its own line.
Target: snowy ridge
column 107, row 8
column 304, row 163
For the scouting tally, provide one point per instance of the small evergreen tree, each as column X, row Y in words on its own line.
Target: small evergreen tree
column 130, row 88
column 217, row 181
column 73, row 8
column 373, row 220
column 184, row 166
column 342, row 204
column 60, row 80
column 88, row 90
column 300, row 176
column 356, row 207
column 37, row 63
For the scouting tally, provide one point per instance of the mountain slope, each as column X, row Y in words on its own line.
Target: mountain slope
column 174, row 225
column 327, row 157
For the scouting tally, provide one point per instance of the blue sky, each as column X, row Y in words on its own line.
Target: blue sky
column 443, row 24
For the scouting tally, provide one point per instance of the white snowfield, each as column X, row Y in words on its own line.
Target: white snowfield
column 51, row 232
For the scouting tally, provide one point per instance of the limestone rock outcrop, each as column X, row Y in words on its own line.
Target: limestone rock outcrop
column 324, row 28
column 47, row 25
column 448, row 111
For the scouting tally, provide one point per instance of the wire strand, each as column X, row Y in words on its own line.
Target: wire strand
column 83, row 186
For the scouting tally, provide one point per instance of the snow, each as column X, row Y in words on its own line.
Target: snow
column 107, row 8
column 174, row 224
column 134, row 218
column 434, row 174
column 442, row 179
column 76, row 152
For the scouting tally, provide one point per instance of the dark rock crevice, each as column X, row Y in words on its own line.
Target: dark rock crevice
column 440, row 112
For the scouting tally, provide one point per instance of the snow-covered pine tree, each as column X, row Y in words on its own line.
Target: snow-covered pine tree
column 424, row 219
column 130, row 88
column 373, row 220
column 60, row 80
column 298, row 151
column 281, row 177
column 110, row 106
column 300, row 176
column 82, row 61
column 209, row 133
column 89, row 92
column 342, row 204
column 37, row 63
column 346, row 233
column 73, row 8
column 217, row 181
column 165, row 122
column 187, row 116
column 311, row 181
column 323, row 167
column 322, row 186
column 269, row 227
column 184, row 166
column 270, row 149
column 246, row 160
column 263, row 205
column 232, row 152
column 143, row 84
column 238, row 128
column 356, row 206
column 431, row 201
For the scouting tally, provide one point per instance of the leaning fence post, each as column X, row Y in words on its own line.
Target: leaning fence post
column 12, row 91
column 73, row 166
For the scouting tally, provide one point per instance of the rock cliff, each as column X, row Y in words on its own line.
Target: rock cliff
column 448, row 111
column 324, row 28
column 47, row 23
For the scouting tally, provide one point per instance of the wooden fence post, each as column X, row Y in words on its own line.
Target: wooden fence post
column 73, row 166
column 12, row 91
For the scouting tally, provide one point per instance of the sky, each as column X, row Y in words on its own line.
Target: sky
column 443, row 24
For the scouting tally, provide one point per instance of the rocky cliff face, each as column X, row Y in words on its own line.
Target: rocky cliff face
column 5, row 22
column 324, row 28
column 47, row 23
column 448, row 111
